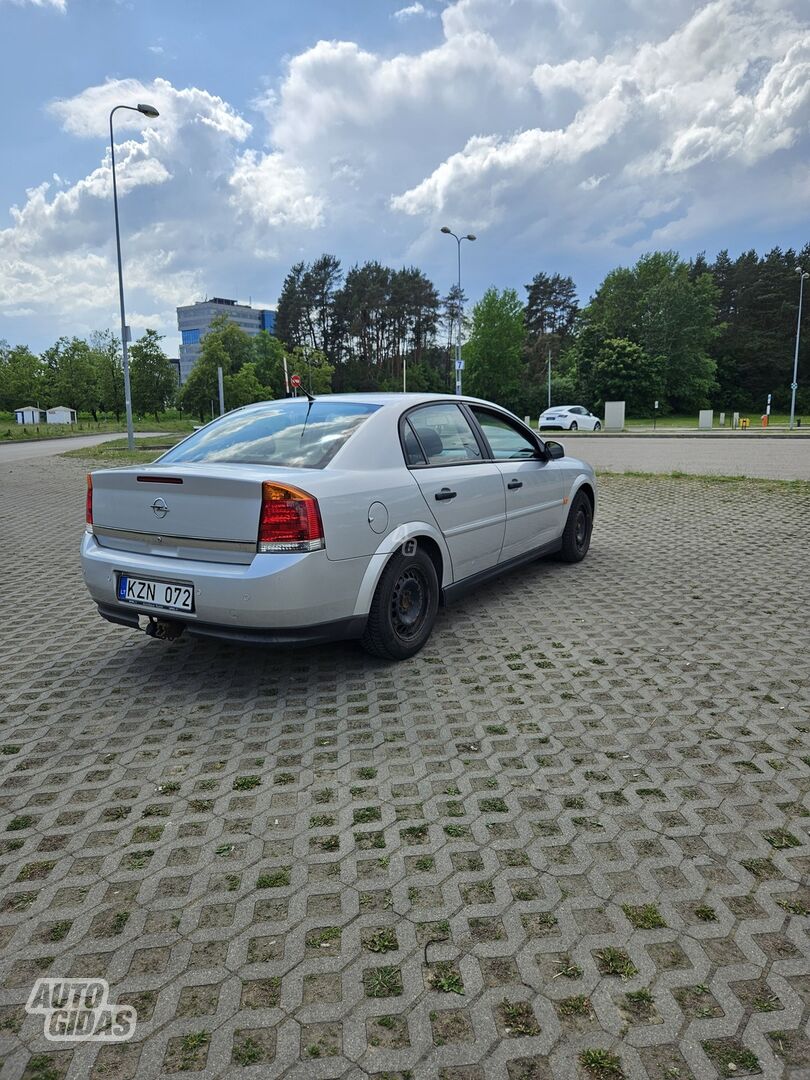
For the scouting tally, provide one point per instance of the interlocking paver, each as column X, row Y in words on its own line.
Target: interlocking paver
column 575, row 826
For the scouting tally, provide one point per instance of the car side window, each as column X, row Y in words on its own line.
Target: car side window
column 506, row 440
column 410, row 444
column 444, row 434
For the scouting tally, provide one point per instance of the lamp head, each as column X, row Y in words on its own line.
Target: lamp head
column 148, row 110
column 469, row 236
column 445, row 229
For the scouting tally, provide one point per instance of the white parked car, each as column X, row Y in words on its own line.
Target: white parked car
column 570, row 418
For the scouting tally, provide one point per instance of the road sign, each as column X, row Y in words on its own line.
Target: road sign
column 459, row 365
column 295, row 380
column 794, row 386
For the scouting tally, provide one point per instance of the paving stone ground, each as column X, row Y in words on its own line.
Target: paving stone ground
column 570, row 839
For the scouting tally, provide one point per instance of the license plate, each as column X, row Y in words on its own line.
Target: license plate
column 163, row 594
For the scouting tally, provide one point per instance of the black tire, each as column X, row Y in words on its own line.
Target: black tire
column 404, row 607
column 576, row 538
column 597, row 426
column 574, row 426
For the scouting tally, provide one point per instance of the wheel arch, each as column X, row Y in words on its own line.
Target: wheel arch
column 428, row 537
column 586, row 485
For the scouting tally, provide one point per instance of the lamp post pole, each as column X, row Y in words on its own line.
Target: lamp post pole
column 150, row 111
column 458, row 240
column 803, row 275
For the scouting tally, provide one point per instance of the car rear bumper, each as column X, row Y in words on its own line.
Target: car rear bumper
column 274, row 594
column 319, row 634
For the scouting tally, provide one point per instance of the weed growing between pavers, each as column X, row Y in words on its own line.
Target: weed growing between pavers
column 614, row 961
column 446, row 978
column 601, row 1064
column 731, row 1058
column 382, row 982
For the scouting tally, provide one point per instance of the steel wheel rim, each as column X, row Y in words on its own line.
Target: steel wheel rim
column 410, row 602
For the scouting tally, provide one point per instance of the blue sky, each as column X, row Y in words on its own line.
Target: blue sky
column 570, row 135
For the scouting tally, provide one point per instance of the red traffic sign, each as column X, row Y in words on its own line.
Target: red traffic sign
column 295, row 380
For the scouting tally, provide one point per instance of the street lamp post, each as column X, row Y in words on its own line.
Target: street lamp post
column 150, row 111
column 803, row 275
column 458, row 240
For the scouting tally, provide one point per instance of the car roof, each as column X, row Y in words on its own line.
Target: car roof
column 379, row 398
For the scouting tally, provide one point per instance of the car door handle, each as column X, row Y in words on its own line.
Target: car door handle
column 445, row 494
column 513, row 485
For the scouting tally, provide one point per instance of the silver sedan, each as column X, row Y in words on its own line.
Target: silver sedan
column 345, row 516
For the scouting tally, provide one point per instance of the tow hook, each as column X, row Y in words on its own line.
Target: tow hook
column 164, row 629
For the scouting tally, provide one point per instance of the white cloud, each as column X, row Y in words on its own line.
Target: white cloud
column 576, row 128
column 270, row 190
column 60, row 5
column 413, row 10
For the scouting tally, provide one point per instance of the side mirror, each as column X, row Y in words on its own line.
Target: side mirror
column 554, row 450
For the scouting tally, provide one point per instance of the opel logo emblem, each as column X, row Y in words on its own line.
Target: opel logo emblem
column 160, row 508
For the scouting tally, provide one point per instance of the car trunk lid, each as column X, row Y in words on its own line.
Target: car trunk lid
column 208, row 512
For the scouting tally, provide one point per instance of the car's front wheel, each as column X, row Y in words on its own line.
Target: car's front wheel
column 576, row 538
column 574, row 426
column 597, row 426
column 404, row 607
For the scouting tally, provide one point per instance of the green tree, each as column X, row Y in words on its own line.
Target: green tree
column 243, row 387
column 658, row 306
column 152, row 378
column 313, row 367
column 225, row 345
column 622, row 371
column 494, row 368
column 200, row 391
column 71, row 377
column 105, row 349
column 21, row 377
column 268, row 355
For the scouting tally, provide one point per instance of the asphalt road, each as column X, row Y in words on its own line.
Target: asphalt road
column 774, row 459
column 39, row 448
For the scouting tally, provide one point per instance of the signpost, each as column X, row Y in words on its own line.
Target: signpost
column 295, row 382
column 655, row 414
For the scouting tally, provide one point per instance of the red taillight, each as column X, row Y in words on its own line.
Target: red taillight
column 289, row 521
column 88, row 506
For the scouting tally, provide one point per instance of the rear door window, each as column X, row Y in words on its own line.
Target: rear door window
column 291, row 433
column 444, row 435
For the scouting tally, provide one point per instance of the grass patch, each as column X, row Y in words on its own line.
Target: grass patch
column 579, row 1005
column 705, row 913
column 382, row 940
column 518, row 1017
column 274, row 879
column 730, row 1058
column 382, row 982
column 781, row 838
column 246, row 783
column 644, row 917
column 601, row 1063
column 446, row 978
column 616, row 962
column 493, row 806
column 364, row 814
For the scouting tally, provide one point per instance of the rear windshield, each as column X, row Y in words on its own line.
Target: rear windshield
column 291, row 433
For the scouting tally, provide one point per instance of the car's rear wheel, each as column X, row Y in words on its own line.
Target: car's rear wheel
column 574, row 426
column 597, row 426
column 404, row 607
column 576, row 538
